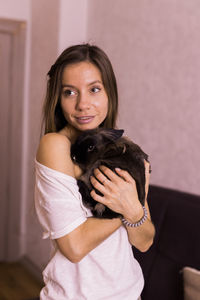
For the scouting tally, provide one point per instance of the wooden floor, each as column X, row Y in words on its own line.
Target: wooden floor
column 16, row 282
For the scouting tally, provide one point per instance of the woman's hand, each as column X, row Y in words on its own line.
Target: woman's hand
column 120, row 194
column 147, row 177
column 119, row 191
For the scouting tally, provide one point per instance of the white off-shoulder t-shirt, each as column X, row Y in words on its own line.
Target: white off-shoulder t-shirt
column 108, row 272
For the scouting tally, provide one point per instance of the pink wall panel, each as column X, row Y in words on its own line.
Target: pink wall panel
column 154, row 46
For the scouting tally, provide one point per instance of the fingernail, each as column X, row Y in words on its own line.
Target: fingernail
column 117, row 169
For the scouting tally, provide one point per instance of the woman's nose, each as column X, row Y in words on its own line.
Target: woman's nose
column 83, row 102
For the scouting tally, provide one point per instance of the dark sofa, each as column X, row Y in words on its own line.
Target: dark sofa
column 176, row 216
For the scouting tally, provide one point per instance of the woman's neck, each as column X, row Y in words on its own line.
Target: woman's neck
column 70, row 132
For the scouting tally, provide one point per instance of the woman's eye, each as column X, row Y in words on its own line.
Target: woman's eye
column 68, row 93
column 95, row 89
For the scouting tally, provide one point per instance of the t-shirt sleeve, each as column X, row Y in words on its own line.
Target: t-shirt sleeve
column 58, row 202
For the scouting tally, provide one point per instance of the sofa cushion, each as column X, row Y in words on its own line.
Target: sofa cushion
column 179, row 239
column 165, row 280
column 191, row 278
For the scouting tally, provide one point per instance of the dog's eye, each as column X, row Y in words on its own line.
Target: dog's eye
column 90, row 148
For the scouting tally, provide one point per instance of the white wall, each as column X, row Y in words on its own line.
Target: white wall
column 154, row 46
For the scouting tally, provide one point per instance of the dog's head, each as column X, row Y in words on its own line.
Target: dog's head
column 90, row 144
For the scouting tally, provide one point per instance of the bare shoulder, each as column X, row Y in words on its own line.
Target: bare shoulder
column 54, row 152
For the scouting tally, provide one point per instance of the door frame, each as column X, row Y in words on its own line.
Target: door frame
column 17, row 31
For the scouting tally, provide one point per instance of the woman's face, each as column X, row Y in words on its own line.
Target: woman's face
column 84, row 101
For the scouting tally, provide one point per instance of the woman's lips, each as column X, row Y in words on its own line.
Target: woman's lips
column 84, row 119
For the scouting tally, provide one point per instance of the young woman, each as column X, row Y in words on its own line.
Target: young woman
column 92, row 258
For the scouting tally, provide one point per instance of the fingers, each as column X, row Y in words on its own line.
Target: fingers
column 109, row 174
column 147, row 175
column 106, row 177
column 106, row 182
column 102, row 177
column 97, row 197
column 118, row 190
column 125, row 175
column 116, row 178
column 148, row 168
column 100, row 182
column 98, row 185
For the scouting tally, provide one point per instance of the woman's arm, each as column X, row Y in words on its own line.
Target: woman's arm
column 120, row 195
column 86, row 237
column 141, row 237
column 54, row 152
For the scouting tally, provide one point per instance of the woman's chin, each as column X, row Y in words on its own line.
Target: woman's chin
column 84, row 127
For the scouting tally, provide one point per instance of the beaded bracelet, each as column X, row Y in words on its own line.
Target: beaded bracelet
column 140, row 222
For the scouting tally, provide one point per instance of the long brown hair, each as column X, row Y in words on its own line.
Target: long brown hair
column 53, row 118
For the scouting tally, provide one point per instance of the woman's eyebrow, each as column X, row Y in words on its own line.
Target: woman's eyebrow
column 72, row 86
column 96, row 81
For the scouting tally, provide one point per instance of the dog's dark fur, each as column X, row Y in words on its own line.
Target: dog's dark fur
column 107, row 147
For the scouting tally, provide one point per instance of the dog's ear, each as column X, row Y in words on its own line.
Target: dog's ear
column 113, row 134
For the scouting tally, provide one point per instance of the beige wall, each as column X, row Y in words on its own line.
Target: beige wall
column 154, row 46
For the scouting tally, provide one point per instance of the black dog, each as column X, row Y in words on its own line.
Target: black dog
column 107, row 147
